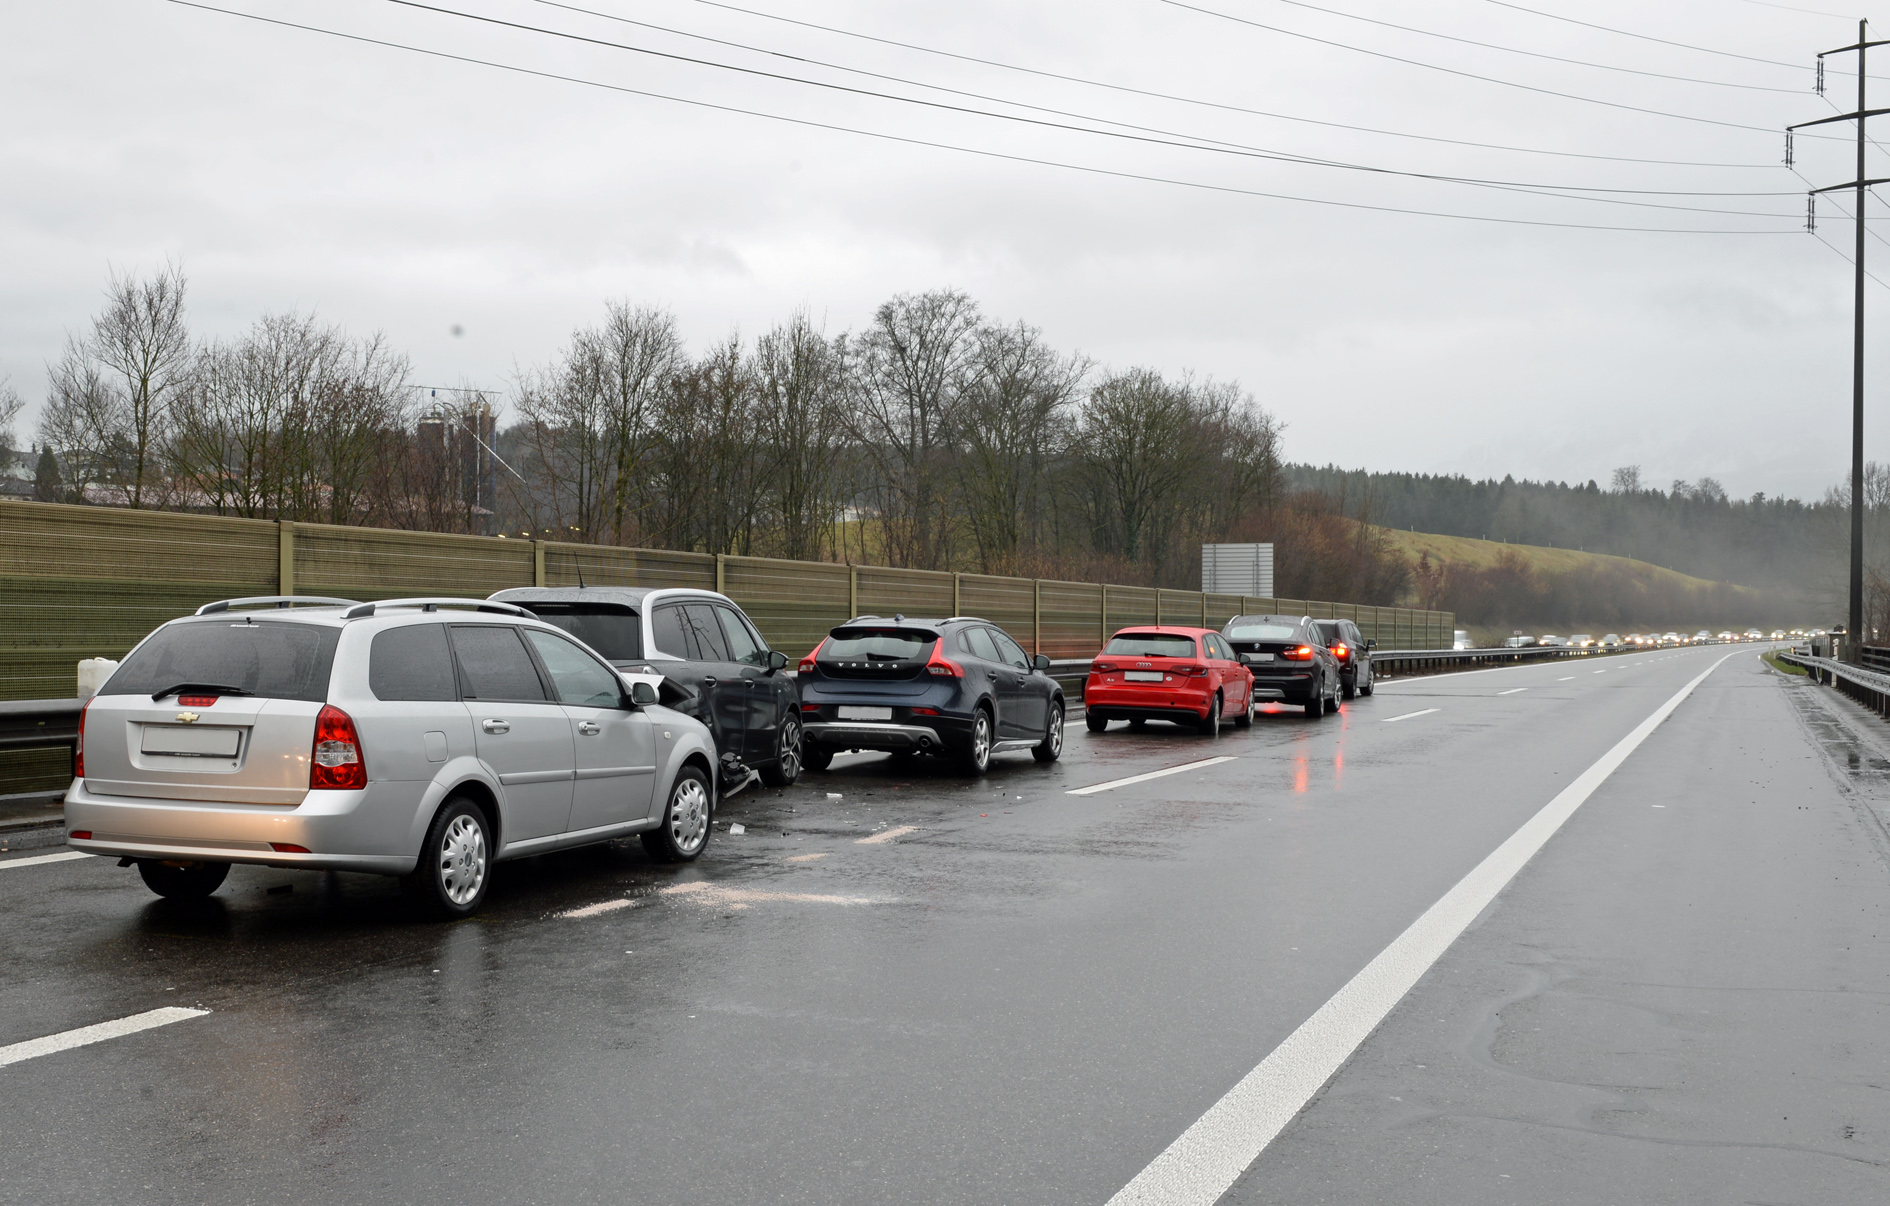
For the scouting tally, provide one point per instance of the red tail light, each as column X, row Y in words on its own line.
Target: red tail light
column 806, row 707
column 84, row 835
column 925, row 711
column 78, row 747
column 807, row 663
column 942, row 667
column 1301, row 654
column 1102, row 667
column 197, row 701
column 1190, row 669
column 288, row 848
column 336, row 760
column 1342, row 652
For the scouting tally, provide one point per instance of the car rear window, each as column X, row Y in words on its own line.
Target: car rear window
column 877, row 644
column 1150, row 644
column 275, row 660
column 1263, row 632
column 614, row 630
column 411, row 663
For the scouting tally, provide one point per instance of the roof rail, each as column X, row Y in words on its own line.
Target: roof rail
column 360, row 610
column 282, row 601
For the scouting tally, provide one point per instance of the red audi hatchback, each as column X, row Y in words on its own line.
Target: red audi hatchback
column 1186, row 675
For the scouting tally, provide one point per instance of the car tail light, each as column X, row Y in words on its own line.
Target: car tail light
column 289, row 848
column 1102, row 667
column 1189, row 669
column 336, row 762
column 942, row 667
column 1301, row 654
column 925, row 711
column 1342, row 652
column 84, row 835
column 807, row 663
column 807, row 707
column 78, row 747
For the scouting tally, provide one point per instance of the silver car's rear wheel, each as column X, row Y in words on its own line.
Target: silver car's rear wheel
column 455, row 868
column 462, row 860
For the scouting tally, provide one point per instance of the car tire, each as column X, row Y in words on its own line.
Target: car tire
column 1051, row 747
column 455, row 868
column 976, row 754
column 1093, row 722
column 1245, row 719
column 1316, row 706
column 192, row 881
column 1210, row 725
column 786, row 767
column 1348, row 690
column 684, row 833
column 1371, row 680
column 815, row 757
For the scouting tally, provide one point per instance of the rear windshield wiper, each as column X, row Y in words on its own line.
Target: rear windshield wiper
column 199, row 689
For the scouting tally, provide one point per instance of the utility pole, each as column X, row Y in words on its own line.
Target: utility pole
column 1861, row 117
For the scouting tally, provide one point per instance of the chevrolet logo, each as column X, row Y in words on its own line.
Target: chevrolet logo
column 188, row 718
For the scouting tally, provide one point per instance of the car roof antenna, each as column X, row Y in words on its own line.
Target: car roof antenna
column 578, row 563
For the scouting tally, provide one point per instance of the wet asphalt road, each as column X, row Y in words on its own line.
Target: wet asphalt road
column 1026, row 995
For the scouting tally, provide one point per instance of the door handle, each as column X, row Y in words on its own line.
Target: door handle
column 710, row 681
column 589, row 728
column 496, row 726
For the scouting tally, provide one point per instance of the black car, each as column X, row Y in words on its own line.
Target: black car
column 961, row 688
column 715, row 664
column 1354, row 653
column 1290, row 660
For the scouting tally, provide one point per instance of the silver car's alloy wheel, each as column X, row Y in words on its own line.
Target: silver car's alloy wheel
column 462, row 859
column 689, row 816
column 1054, row 739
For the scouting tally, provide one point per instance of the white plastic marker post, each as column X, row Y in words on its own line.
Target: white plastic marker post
column 1409, row 716
column 1200, row 1166
column 66, row 1040
column 1172, row 770
column 39, row 859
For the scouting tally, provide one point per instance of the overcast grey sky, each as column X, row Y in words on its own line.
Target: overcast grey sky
column 394, row 191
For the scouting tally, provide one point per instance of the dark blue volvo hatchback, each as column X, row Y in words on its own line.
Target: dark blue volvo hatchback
column 959, row 687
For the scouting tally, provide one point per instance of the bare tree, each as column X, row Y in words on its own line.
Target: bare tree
column 1013, row 423
column 1627, row 480
column 800, row 388
column 1136, row 453
column 11, row 404
column 910, row 369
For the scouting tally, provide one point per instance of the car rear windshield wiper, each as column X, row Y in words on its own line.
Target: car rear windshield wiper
column 199, row 689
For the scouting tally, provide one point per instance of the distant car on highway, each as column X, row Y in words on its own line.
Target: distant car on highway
column 1190, row 676
column 702, row 642
column 1289, row 659
column 1672, row 640
column 1581, row 640
column 1519, row 641
column 1612, row 641
column 1354, row 653
column 959, row 687
column 423, row 738
column 1702, row 637
column 1461, row 640
column 1550, row 639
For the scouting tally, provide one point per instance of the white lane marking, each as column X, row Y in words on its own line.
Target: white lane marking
column 741, row 898
column 66, row 1040
column 889, row 835
column 1208, row 1157
column 806, row 858
column 1172, row 770
column 602, row 906
column 1601, row 672
column 37, row 859
column 1409, row 716
column 1512, row 690
column 1569, row 679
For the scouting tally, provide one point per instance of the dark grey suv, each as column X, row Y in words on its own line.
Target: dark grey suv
column 711, row 655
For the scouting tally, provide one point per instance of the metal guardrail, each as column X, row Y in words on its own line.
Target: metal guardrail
column 1868, row 687
column 36, row 723
column 1433, row 660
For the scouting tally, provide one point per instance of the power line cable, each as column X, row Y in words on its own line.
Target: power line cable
column 1554, row 58
column 1471, row 75
column 1192, row 100
column 1628, row 33
column 1204, row 143
column 1005, row 156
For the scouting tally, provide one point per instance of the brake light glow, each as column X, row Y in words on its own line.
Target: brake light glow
column 84, row 835
column 807, row 663
column 1342, row 652
column 1301, row 654
column 289, row 848
column 1103, row 667
column 925, row 711
column 942, row 667
column 78, row 747
column 196, row 701
column 336, row 761
column 807, row 707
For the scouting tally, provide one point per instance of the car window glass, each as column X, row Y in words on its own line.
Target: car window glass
column 576, row 676
column 743, row 644
column 707, row 633
column 875, row 645
column 493, row 663
column 612, row 629
column 274, row 660
column 1150, row 644
column 978, row 641
column 1009, row 650
column 1261, row 630
column 411, row 663
column 1216, row 649
column 666, row 629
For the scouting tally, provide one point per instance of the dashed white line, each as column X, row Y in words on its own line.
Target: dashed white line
column 1512, row 690
column 1208, row 1157
column 66, row 1040
column 1569, row 679
column 741, row 898
column 602, row 906
column 37, row 859
column 1409, row 716
column 888, row 835
column 1172, row 770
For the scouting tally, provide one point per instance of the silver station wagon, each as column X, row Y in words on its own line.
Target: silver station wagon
column 423, row 738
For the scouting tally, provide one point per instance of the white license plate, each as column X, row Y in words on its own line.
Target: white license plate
column 866, row 713
column 188, row 742
column 1141, row 676
column 1260, row 657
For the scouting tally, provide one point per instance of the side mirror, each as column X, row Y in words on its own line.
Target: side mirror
column 776, row 660
column 642, row 694
column 1371, row 643
column 1041, row 662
